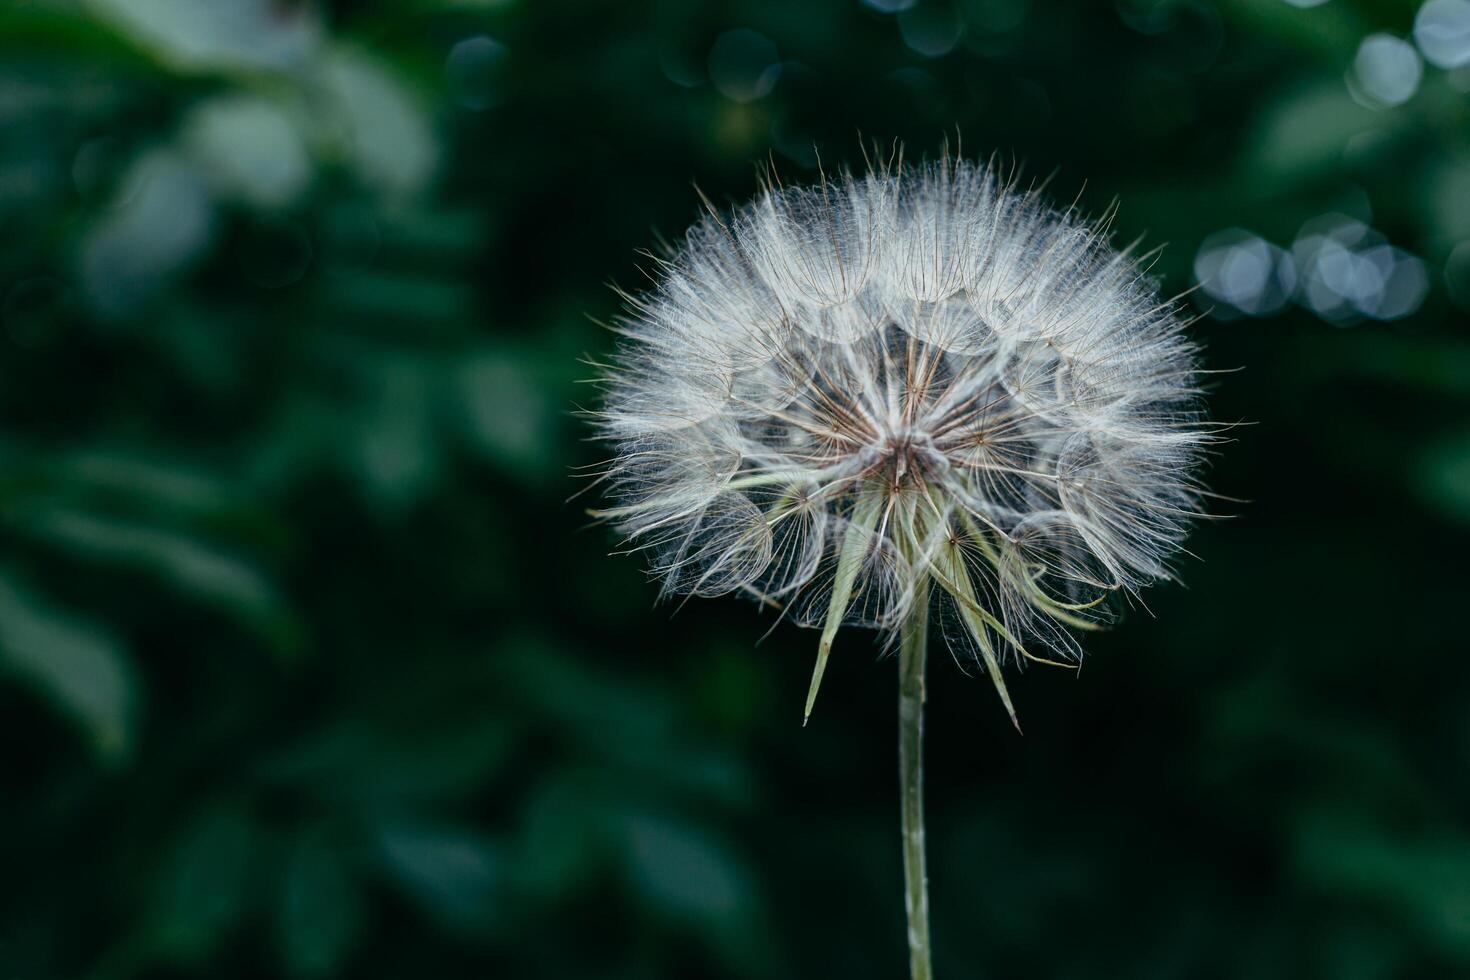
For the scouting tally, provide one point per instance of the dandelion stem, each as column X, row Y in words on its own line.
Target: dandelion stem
column 913, row 643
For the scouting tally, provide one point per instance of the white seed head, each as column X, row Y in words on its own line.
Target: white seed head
column 920, row 385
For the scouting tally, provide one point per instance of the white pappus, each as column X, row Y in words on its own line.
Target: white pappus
column 918, row 386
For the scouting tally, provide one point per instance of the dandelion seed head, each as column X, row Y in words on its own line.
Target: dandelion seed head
column 922, row 384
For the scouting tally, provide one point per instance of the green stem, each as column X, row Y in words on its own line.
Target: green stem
column 913, row 645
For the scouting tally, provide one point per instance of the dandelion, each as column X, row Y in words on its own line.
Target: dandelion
column 920, row 395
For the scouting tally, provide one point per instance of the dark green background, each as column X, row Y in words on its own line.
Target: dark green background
column 309, row 669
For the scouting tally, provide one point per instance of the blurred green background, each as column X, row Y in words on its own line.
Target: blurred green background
column 309, row 669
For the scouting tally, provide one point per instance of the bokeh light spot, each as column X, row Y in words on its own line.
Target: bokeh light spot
column 1386, row 71
column 680, row 67
column 890, row 6
column 931, row 29
column 744, row 65
column 1245, row 271
column 473, row 69
column 1348, row 271
column 1403, row 284
column 1457, row 275
column 1442, row 31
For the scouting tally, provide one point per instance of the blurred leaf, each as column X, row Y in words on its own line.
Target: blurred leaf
column 223, row 35
column 585, row 704
column 79, row 666
column 388, row 138
column 321, row 914
column 685, row 869
column 1326, row 30
column 189, row 566
column 455, row 874
column 1445, row 201
column 509, row 415
column 397, row 451
column 374, row 764
column 400, row 305
column 250, row 148
column 1424, row 879
column 172, row 491
column 428, row 235
column 563, row 827
column 203, row 889
column 1444, row 476
column 163, row 220
column 68, row 27
column 1304, row 133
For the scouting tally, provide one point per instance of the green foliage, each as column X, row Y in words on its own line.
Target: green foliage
column 309, row 669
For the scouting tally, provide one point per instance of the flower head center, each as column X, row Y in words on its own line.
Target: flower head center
column 905, row 455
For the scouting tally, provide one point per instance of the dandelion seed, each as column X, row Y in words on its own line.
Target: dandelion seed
column 918, row 395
